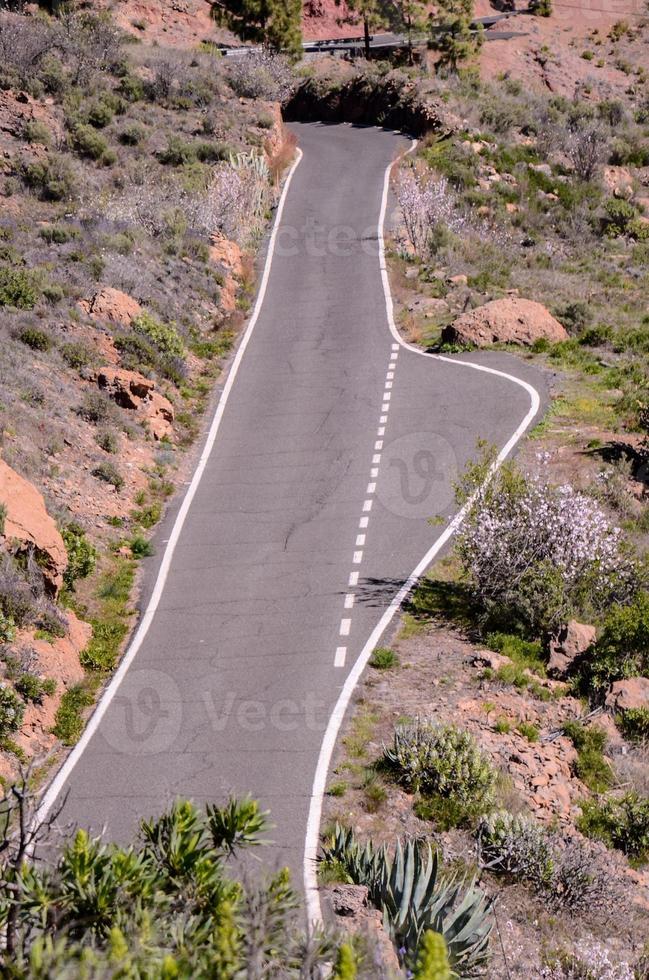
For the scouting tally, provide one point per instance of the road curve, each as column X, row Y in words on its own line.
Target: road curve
column 335, row 447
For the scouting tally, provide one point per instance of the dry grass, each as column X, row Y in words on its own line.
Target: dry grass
column 283, row 156
column 632, row 769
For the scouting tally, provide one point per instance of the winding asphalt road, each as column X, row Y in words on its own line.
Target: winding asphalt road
column 335, row 447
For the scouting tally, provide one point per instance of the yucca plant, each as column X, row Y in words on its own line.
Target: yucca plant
column 408, row 886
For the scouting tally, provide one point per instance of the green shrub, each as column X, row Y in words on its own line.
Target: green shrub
column 618, row 215
column 76, row 354
column 518, row 847
column 638, row 230
column 97, row 407
column 634, row 723
column 35, row 339
column 212, row 152
column 132, row 135
column 7, row 629
column 622, row 649
column 597, row 336
column 148, row 516
column 575, row 317
column 99, row 114
column 345, row 966
column 68, row 722
column 383, row 659
column 107, row 440
column 515, row 845
column 541, row 8
column 82, row 556
column 503, row 726
column 53, row 293
column 446, row 812
column 441, row 760
column 621, row 822
column 131, row 88
column 89, row 143
column 590, row 766
column 36, row 132
column 630, row 151
column 177, row 152
column 137, row 353
column 52, row 75
column 12, row 710
column 18, row 288
column 528, row 731
column 164, row 336
column 108, row 473
column 102, row 651
column 53, row 179
column 141, row 547
column 58, row 234
column 524, row 653
column 33, row 688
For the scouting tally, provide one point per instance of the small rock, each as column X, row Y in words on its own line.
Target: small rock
column 629, row 694
column 112, row 305
column 459, row 280
column 349, row 899
column 488, row 658
column 567, row 645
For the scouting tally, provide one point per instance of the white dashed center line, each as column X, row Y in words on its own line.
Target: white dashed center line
column 357, row 559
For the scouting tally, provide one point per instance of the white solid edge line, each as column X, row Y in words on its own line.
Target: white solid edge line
column 56, row 786
column 312, row 894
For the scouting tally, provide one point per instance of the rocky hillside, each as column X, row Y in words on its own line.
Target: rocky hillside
column 132, row 179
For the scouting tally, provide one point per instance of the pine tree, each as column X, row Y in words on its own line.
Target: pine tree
column 274, row 23
column 407, row 16
column 452, row 35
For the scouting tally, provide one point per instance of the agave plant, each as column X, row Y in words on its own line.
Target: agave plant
column 407, row 885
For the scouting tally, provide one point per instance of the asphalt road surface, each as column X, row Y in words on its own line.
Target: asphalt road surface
column 333, row 452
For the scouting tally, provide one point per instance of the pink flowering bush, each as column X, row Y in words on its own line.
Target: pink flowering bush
column 540, row 553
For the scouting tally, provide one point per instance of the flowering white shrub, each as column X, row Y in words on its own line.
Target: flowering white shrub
column 234, row 202
column 427, row 207
column 591, row 961
column 263, row 75
column 542, row 552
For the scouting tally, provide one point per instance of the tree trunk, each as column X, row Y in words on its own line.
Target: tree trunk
column 366, row 30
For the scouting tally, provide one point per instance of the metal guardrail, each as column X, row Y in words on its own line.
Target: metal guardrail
column 377, row 41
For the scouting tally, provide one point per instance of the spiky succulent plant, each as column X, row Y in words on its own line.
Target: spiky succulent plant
column 407, row 885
